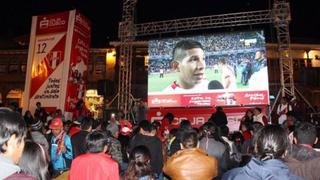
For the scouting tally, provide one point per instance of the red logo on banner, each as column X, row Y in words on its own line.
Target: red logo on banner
column 52, row 23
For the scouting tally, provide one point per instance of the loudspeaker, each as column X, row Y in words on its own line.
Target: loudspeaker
column 106, row 87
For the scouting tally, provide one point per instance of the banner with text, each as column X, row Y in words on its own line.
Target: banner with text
column 49, row 60
column 198, row 116
column 79, row 59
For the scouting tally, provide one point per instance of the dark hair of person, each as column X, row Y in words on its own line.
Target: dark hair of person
column 224, row 130
column 152, row 128
column 96, row 141
column 238, row 139
column 256, row 126
column 11, row 123
column 68, row 122
column 139, row 164
column 86, row 123
column 189, row 139
column 156, row 124
column 96, row 123
column 180, row 48
column 249, row 110
column 185, row 124
column 170, row 116
column 79, row 104
column 218, row 108
column 290, row 113
column 173, row 131
column 196, row 130
column 305, row 133
column 38, row 103
column 259, row 109
column 104, row 124
column 247, row 118
column 34, row 161
column 27, row 113
column 28, row 118
column 209, row 130
column 271, row 142
column 145, row 125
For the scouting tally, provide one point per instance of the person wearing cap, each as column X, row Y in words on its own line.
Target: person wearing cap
column 37, row 136
column 61, row 148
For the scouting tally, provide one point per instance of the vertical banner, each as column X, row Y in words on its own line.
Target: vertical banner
column 49, row 60
column 79, row 60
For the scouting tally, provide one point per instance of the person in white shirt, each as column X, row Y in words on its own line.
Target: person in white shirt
column 228, row 76
column 161, row 71
column 282, row 110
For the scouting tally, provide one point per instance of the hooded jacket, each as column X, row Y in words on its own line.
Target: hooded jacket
column 272, row 169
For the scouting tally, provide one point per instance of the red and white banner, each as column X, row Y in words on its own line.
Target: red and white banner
column 198, row 116
column 79, row 59
column 50, row 59
column 210, row 99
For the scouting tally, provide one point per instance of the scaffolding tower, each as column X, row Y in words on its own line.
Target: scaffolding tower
column 128, row 31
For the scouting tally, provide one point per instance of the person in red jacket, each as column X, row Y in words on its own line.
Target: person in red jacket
column 166, row 124
column 95, row 164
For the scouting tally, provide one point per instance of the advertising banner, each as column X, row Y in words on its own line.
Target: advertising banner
column 79, row 59
column 227, row 69
column 49, row 60
column 198, row 116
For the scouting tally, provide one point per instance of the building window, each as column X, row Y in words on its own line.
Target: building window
column 90, row 68
column 100, row 68
column 13, row 68
column 3, row 68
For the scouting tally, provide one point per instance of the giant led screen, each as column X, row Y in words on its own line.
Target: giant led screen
column 225, row 69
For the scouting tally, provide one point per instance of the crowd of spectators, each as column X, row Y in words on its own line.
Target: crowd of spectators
column 121, row 149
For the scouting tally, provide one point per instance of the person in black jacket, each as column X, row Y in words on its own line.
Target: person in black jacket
column 145, row 137
column 185, row 125
column 219, row 117
column 78, row 140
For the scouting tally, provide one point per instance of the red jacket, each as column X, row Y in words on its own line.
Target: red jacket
column 91, row 166
column 246, row 135
column 165, row 125
column 73, row 130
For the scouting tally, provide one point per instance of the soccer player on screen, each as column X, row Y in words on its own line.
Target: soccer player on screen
column 189, row 63
column 228, row 75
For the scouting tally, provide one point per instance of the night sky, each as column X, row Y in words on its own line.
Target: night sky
column 15, row 15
